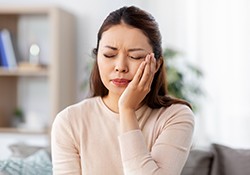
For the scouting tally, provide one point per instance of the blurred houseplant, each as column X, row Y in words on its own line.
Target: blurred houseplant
column 18, row 117
column 184, row 79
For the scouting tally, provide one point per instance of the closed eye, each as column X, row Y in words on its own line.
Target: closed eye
column 136, row 58
column 109, row 56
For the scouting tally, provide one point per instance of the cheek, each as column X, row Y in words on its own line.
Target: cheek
column 134, row 67
column 104, row 69
column 101, row 67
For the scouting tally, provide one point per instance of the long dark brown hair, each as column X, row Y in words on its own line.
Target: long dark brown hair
column 135, row 17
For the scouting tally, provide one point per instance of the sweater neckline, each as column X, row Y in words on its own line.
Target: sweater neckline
column 138, row 112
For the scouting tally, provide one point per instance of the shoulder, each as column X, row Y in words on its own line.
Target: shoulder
column 74, row 118
column 81, row 106
column 180, row 110
column 88, row 102
column 72, row 112
column 176, row 114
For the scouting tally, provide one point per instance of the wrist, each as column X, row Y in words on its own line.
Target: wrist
column 126, row 110
column 128, row 119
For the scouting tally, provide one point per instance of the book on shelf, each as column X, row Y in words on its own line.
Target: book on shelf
column 7, row 52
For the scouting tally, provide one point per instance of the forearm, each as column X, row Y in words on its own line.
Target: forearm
column 167, row 155
column 162, row 159
column 134, row 94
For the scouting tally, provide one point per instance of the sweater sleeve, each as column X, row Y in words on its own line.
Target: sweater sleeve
column 168, row 153
column 65, row 156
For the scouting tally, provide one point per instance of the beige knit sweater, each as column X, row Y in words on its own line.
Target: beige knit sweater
column 86, row 139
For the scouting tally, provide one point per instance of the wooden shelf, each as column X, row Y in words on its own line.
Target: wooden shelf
column 27, row 9
column 24, row 72
column 21, row 131
column 45, row 90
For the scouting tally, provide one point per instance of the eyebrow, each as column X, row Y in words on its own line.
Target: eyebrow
column 136, row 49
column 110, row 47
column 129, row 50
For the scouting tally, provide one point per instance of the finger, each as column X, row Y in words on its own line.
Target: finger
column 147, row 78
column 153, row 63
column 147, row 72
column 139, row 73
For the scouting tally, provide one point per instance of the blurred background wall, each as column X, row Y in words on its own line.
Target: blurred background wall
column 212, row 34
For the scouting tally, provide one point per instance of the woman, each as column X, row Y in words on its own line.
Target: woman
column 129, row 125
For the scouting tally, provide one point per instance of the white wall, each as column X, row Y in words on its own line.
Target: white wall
column 223, row 46
column 213, row 34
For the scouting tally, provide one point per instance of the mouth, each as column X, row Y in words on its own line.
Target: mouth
column 120, row 81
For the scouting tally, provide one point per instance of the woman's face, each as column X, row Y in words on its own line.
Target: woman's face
column 122, row 49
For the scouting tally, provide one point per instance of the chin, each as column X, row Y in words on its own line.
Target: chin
column 117, row 91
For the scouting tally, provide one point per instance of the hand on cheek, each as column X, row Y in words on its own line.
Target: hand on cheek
column 140, row 86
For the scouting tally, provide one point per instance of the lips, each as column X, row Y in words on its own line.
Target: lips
column 120, row 82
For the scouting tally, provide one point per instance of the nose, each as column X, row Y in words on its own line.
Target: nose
column 121, row 64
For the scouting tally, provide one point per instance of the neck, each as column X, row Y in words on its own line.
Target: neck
column 111, row 102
